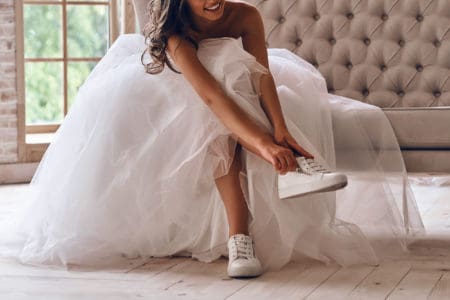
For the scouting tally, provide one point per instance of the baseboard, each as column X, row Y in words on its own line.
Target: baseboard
column 17, row 173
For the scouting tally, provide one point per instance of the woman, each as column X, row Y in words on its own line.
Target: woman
column 176, row 28
column 157, row 165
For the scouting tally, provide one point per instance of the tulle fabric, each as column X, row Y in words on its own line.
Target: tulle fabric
column 131, row 170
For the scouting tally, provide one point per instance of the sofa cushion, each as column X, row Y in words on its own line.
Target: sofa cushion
column 427, row 160
column 421, row 128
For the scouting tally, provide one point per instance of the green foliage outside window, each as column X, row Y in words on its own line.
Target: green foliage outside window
column 87, row 36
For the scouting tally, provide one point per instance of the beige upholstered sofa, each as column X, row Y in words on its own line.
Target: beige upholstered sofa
column 394, row 54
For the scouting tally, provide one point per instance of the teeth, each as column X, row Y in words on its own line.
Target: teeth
column 213, row 7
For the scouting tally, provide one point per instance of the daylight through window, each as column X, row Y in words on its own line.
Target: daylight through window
column 63, row 41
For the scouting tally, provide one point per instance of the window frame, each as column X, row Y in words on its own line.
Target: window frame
column 33, row 151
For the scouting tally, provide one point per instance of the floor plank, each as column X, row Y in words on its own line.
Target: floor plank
column 381, row 281
column 296, row 280
column 341, row 284
column 11, row 267
column 442, row 289
column 417, row 284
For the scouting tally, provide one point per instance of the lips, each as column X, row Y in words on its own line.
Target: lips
column 213, row 8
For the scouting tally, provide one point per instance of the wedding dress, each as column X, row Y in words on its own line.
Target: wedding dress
column 131, row 170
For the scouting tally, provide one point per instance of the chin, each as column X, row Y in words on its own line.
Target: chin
column 214, row 15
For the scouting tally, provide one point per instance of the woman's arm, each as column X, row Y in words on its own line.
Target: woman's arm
column 249, row 134
column 254, row 42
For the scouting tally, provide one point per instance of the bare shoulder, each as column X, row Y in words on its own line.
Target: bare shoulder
column 247, row 16
column 252, row 31
column 243, row 7
column 178, row 46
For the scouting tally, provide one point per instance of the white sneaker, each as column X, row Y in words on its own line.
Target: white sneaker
column 310, row 177
column 242, row 261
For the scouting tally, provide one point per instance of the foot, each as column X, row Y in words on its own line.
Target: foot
column 242, row 261
column 310, row 177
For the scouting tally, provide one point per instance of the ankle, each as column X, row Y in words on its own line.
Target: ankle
column 233, row 232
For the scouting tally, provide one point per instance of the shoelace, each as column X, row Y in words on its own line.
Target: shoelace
column 312, row 166
column 241, row 248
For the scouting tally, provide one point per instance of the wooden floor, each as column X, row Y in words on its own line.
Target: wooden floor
column 423, row 275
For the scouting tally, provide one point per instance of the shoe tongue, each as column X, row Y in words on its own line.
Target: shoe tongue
column 302, row 163
column 241, row 236
column 300, row 159
column 242, row 244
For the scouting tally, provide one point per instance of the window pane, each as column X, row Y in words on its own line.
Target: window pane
column 44, row 92
column 42, row 31
column 77, row 73
column 87, row 30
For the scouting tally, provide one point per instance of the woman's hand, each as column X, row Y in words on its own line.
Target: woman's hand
column 282, row 158
column 284, row 138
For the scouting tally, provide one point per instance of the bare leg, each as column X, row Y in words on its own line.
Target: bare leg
column 231, row 193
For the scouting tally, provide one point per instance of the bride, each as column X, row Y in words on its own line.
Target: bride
column 179, row 140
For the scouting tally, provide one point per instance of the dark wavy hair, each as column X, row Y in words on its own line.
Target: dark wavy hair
column 166, row 17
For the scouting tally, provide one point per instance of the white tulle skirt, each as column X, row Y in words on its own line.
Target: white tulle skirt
column 131, row 170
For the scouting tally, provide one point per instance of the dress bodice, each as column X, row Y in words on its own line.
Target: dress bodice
column 223, row 50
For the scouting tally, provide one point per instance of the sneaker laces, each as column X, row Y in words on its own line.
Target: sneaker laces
column 311, row 166
column 242, row 247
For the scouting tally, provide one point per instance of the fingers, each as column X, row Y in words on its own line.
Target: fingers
column 280, row 157
column 299, row 150
column 286, row 161
column 283, row 164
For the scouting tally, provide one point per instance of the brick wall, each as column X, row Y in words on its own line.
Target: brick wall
column 8, row 93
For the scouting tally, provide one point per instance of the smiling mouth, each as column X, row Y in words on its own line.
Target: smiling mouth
column 214, row 7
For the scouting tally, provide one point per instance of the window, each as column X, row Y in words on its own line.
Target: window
column 63, row 41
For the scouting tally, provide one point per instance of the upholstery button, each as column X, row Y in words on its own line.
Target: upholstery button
column 419, row 18
column 349, row 65
column 384, row 17
column 332, row 41
column 281, row 19
column 366, row 41
column 383, row 67
column 298, row 42
column 365, row 92
column 350, row 16
column 316, row 17
column 419, row 68
column 436, row 93
column 437, row 43
column 401, row 93
column 401, row 43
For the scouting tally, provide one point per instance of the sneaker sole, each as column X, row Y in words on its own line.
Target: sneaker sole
column 297, row 191
column 251, row 275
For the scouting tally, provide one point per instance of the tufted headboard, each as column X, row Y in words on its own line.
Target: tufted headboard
column 389, row 53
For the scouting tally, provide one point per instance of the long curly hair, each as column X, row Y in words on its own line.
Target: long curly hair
column 166, row 17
